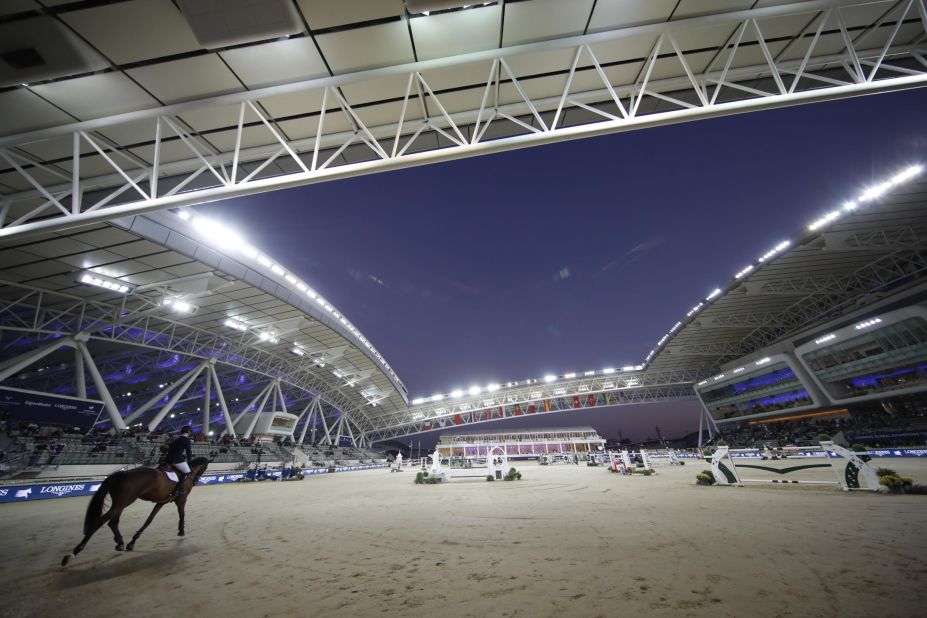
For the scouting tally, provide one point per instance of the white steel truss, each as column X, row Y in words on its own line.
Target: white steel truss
column 540, row 397
column 65, row 320
column 872, row 58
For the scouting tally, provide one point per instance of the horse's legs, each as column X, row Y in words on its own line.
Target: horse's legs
column 135, row 536
column 180, row 502
column 80, row 546
column 114, row 526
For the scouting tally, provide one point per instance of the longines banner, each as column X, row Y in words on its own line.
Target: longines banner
column 44, row 491
column 48, row 409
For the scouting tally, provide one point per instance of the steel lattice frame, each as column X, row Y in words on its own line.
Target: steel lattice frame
column 65, row 199
column 52, row 315
column 624, row 388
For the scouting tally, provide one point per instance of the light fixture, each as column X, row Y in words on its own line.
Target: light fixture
column 825, row 338
column 235, row 324
column 268, row 336
column 569, row 376
column 456, row 393
column 608, row 370
column 102, row 282
column 550, row 378
column 178, row 306
column 714, row 293
column 474, row 390
column 762, row 361
column 298, row 351
column 867, row 323
column 589, row 373
column 743, row 271
column 418, row 401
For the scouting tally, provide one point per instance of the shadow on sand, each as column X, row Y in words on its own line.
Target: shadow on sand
column 120, row 565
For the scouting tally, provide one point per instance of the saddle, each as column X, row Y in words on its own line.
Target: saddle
column 168, row 471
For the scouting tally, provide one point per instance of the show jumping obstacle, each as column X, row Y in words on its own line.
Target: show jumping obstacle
column 847, row 466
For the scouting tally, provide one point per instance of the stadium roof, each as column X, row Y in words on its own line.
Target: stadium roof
column 155, row 104
column 113, row 112
column 856, row 255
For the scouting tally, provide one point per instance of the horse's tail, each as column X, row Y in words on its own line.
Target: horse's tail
column 95, row 508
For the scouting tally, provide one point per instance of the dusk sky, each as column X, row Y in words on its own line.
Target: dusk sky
column 577, row 255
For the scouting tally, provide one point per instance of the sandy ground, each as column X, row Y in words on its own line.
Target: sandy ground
column 564, row 541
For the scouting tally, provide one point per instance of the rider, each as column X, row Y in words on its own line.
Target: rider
column 178, row 454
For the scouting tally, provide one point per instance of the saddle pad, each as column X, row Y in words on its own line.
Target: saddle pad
column 171, row 475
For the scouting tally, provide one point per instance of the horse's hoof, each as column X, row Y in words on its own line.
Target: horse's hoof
column 120, row 547
column 130, row 547
column 64, row 561
column 181, row 533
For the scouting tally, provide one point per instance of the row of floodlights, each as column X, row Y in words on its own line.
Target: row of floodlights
column 872, row 193
column 719, row 377
column 174, row 304
column 861, row 326
column 230, row 240
column 271, row 337
column 819, row 341
column 473, row 391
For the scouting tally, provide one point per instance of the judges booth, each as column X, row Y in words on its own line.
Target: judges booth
column 268, row 424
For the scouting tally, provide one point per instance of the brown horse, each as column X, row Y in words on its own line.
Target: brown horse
column 124, row 488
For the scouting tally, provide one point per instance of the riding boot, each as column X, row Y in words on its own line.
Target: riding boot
column 178, row 489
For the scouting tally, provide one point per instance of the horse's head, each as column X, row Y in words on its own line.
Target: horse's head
column 198, row 465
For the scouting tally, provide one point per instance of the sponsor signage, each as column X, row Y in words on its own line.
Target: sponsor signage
column 48, row 408
column 45, row 491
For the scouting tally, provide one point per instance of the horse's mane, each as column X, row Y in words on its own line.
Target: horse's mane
column 199, row 461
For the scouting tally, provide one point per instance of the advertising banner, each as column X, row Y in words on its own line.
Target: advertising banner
column 48, row 408
column 45, row 491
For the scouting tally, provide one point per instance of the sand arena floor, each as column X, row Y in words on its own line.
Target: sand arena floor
column 564, row 541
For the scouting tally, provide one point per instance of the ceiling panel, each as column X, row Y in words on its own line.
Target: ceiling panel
column 215, row 117
column 9, row 7
column 276, row 63
column 21, row 110
column 470, row 74
column 134, row 31
column 366, row 48
column 189, row 78
column 544, row 19
column 81, row 96
column 609, row 14
column 696, row 8
column 458, row 32
column 329, row 13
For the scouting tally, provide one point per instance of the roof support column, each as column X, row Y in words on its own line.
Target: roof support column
column 229, row 427
column 103, row 392
column 160, row 395
column 173, row 400
column 280, row 394
column 328, row 434
column 350, row 433
column 34, row 356
column 207, row 400
column 80, row 382
column 299, row 418
column 257, row 413
column 313, row 405
column 250, row 405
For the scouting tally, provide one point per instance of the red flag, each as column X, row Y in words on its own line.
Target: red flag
column 576, row 403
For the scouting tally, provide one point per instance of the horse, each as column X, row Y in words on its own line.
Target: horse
column 124, row 488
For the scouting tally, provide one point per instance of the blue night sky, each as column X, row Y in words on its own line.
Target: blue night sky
column 577, row 255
